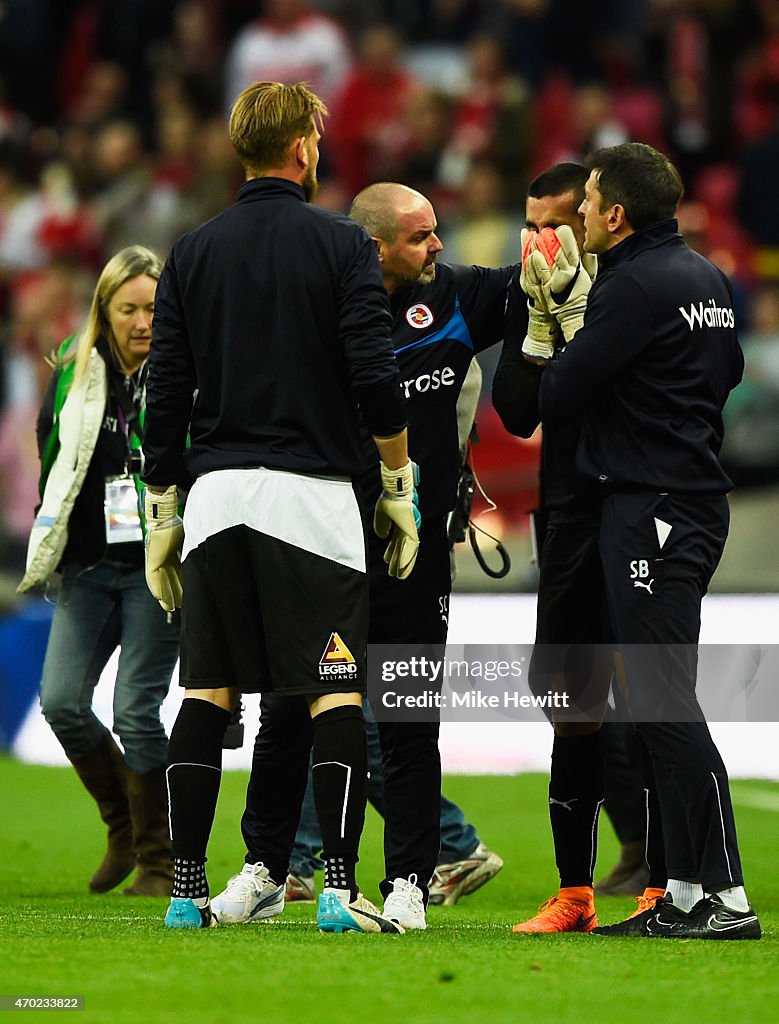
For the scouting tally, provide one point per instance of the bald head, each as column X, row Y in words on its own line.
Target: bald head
column 402, row 223
column 380, row 207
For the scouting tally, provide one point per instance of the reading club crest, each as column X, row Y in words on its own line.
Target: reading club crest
column 419, row 316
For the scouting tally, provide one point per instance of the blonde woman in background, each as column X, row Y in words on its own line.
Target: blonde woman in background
column 89, row 529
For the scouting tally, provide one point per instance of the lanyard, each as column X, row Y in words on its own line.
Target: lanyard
column 128, row 413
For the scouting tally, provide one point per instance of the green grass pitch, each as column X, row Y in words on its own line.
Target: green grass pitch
column 57, row 939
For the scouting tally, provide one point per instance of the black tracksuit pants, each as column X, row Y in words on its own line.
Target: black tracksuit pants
column 412, row 611
column 659, row 552
column 277, row 783
column 573, row 630
column 573, row 652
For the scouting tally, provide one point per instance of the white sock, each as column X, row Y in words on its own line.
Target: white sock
column 343, row 895
column 684, row 894
column 734, row 898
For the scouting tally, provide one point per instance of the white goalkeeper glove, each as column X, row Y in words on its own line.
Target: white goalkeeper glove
column 164, row 538
column 590, row 264
column 565, row 284
column 542, row 328
column 397, row 516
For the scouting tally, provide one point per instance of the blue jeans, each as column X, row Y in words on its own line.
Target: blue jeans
column 458, row 837
column 100, row 608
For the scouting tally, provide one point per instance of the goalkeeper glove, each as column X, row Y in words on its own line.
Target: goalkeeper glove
column 564, row 283
column 397, row 515
column 164, row 538
column 590, row 264
column 542, row 329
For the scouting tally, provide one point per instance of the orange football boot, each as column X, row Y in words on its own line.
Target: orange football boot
column 647, row 901
column 572, row 910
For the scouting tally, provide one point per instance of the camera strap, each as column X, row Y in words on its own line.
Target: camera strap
column 462, row 522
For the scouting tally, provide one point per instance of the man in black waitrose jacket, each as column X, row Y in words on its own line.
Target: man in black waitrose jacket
column 274, row 316
column 573, row 629
column 651, row 368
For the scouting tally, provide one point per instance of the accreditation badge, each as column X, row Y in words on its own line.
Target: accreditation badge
column 122, row 516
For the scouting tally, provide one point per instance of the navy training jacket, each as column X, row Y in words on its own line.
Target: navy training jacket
column 437, row 328
column 651, row 368
column 274, row 316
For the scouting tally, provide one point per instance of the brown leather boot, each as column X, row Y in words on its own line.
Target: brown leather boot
column 103, row 773
column 148, row 795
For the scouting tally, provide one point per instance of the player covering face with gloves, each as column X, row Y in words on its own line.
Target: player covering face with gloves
column 556, row 277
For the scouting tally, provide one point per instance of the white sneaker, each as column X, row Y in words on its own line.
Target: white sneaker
column 248, row 897
column 461, row 878
column 299, row 889
column 405, row 904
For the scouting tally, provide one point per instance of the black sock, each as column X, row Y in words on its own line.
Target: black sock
column 194, row 774
column 339, row 874
column 576, row 791
column 339, row 766
column 189, row 879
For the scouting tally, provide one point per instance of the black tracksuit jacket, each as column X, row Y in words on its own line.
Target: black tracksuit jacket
column 651, row 368
column 274, row 316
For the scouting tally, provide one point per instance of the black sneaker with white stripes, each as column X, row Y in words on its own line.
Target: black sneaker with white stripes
column 710, row 918
column 661, row 920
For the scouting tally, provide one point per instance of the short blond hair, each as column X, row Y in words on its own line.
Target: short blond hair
column 267, row 118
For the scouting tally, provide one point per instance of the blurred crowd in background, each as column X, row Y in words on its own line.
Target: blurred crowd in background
column 113, row 131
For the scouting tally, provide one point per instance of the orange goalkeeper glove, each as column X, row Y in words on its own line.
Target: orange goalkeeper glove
column 564, row 282
column 542, row 328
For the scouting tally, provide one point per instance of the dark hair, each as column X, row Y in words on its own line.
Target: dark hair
column 559, row 179
column 642, row 180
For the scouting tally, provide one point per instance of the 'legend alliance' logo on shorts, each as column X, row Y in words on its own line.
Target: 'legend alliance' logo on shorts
column 337, row 659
